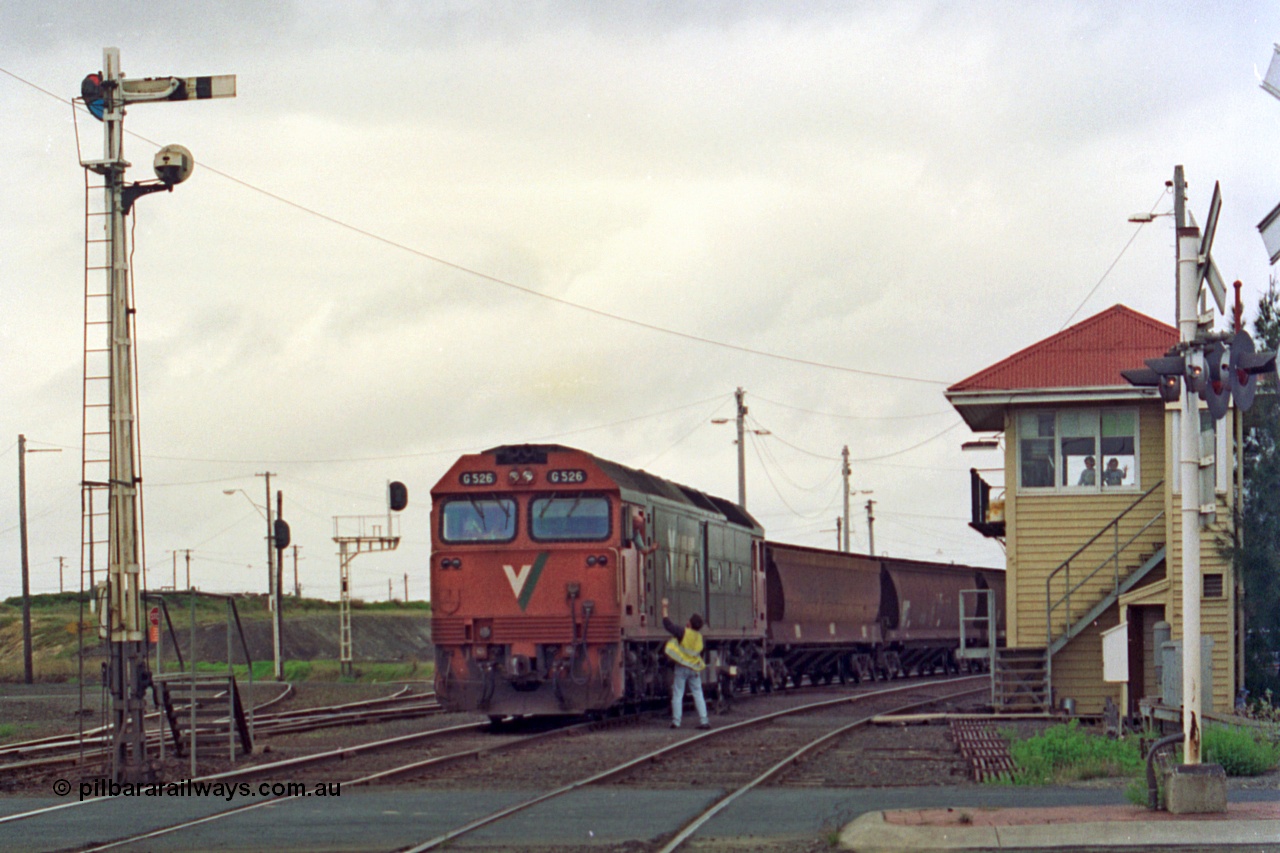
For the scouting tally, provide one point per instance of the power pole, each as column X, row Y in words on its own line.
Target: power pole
column 845, row 471
column 871, row 528
column 105, row 95
column 297, row 588
column 28, row 674
column 406, row 587
column 739, row 396
column 188, row 555
column 61, row 562
column 273, row 600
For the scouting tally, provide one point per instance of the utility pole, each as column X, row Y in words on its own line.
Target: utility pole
column 61, row 562
column 28, row 673
column 845, row 471
column 273, row 599
column 406, row 587
column 739, row 396
column 871, row 528
column 188, row 555
column 297, row 588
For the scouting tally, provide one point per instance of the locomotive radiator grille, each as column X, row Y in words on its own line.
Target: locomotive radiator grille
column 449, row 631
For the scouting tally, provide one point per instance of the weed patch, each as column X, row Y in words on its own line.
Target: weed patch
column 1067, row 754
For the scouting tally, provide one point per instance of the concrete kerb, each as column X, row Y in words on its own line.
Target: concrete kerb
column 873, row 833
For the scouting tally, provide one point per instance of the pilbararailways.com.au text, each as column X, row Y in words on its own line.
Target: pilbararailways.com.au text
column 93, row 788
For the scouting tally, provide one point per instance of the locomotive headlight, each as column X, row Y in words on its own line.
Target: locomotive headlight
column 514, row 476
column 485, row 632
column 591, row 561
column 526, row 476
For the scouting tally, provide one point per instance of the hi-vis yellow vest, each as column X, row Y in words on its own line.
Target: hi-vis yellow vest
column 688, row 651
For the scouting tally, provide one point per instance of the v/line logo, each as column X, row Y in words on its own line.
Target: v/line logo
column 524, row 582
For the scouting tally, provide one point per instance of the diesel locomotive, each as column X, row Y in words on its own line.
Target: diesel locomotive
column 549, row 565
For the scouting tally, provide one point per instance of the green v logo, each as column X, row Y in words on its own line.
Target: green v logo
column 525, row 581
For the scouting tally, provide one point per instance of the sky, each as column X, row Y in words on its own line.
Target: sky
column 426, row 229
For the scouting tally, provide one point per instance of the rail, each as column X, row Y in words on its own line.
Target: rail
column 1113, row 560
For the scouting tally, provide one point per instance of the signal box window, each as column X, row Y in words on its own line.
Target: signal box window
column 479, row 520
column 1119, row 465
column 568, row 519
column 1036, row 445
column 1078, row 450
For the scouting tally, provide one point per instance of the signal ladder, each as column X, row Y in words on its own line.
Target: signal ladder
column 95, row 452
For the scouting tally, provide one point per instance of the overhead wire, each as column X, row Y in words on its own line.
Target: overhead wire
column 756, row 396
column 1108, row 270
column 705, row 419
column 493, row 279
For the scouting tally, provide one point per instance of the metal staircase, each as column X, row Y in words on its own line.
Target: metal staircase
column 197, row 707
column 1075, row 602
column 1020, row 681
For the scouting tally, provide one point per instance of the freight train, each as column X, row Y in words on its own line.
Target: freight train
column 549, row 565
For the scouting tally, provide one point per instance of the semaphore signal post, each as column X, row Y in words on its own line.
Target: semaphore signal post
column 106, row 95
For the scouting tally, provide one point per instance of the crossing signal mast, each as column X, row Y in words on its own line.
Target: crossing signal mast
column 1218, row 368
column 106, row 94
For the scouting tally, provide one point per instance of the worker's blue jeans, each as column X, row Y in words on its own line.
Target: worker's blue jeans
column 686, row 675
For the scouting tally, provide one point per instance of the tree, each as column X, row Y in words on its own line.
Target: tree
column 1257, row 559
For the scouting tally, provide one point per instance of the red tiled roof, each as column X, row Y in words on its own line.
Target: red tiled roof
column 1089, row 354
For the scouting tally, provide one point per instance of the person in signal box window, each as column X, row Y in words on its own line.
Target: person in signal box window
column 685, row 650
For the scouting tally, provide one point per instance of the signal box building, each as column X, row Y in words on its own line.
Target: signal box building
column 1087, row 503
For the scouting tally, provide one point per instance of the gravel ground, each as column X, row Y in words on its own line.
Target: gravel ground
column 874, row 756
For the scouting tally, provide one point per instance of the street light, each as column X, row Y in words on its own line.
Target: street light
column 246, row 497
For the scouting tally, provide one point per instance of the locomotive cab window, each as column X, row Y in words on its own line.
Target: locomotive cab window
column 570, row 518
column 479, row 519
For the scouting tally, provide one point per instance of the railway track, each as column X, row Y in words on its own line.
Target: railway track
column 824, row 721
column 72, row 749
column 749, row 752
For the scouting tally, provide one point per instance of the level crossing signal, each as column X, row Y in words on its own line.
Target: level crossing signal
column 1219, row 371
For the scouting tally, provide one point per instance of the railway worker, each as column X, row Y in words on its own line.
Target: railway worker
column 685, row 649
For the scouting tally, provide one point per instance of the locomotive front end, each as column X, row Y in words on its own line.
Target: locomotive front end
column 524, row 583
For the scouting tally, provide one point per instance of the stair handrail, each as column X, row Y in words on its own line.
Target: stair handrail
column 1113, row 559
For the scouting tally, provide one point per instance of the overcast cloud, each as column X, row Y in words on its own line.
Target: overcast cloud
column 914, row 189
